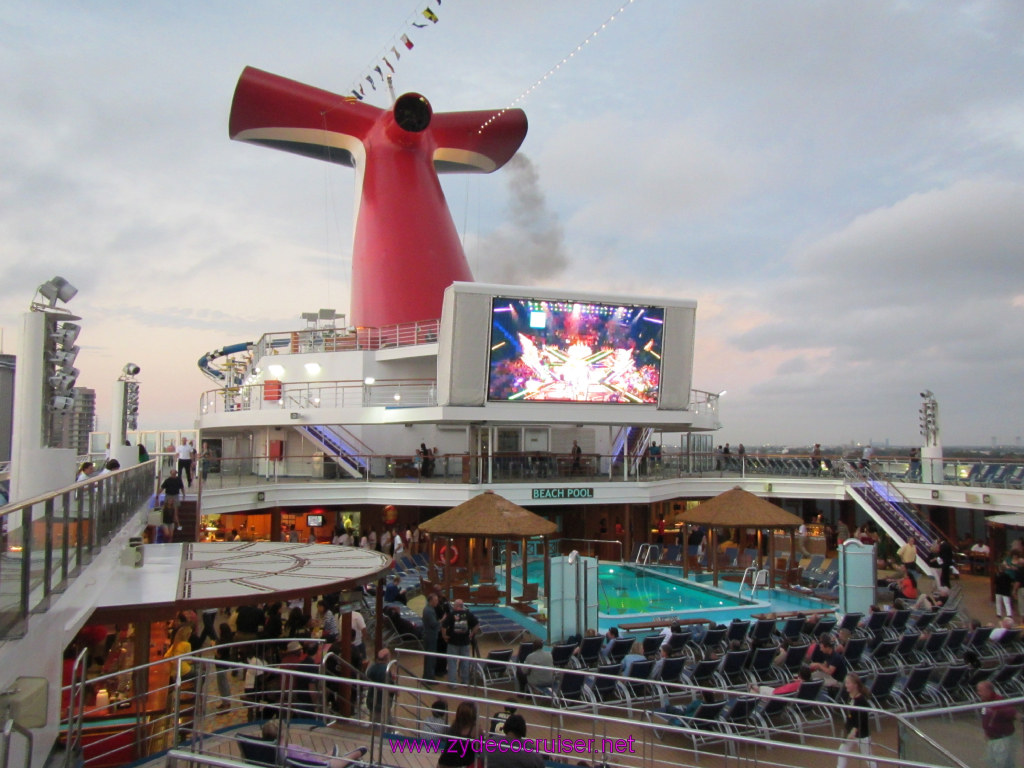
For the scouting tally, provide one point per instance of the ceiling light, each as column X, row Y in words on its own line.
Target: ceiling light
column 369, row 380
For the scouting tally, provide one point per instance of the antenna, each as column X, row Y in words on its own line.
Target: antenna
column 391, row 88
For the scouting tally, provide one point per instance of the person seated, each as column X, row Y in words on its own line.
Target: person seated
column 271, row 730
column 679, row 716
column 1005, row 625
column 829, row 664
column 933, row 600
column 636, row 653
column 904, row 585
column 540, row 676
column 515, row 732
column 437, row 721
column 791, row 686
column 393, row 592
column 609, row 639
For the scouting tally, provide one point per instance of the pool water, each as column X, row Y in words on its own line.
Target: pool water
column 627, row 592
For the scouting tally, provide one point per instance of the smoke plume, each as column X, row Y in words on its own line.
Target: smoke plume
column 529, row 248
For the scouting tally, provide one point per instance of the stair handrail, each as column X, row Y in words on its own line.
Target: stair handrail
column 906, row 513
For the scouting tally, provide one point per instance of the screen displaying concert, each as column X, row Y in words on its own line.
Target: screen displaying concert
column 574, row 352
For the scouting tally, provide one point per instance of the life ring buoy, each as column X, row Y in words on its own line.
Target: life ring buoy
column 451, row 553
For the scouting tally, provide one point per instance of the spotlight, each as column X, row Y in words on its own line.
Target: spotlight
column 131, row 369
column 61, row 403
column 65, row 357
column 62, row 382
column 57, row 288
column 927, row 393
column 66, row 335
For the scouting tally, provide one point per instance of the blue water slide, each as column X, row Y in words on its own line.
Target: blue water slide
column 206, row 361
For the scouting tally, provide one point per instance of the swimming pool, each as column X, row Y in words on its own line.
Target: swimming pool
column 628, row 592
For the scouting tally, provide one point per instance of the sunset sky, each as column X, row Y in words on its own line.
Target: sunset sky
column 840, row 187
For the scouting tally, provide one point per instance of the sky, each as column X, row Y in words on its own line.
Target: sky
column 840, row 187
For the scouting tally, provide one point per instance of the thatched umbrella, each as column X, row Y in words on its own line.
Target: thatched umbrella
column 741, row 509
column 495, row 517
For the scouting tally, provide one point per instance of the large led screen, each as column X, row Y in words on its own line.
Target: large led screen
column 574, row 352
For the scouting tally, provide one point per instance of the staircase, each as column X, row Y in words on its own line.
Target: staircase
column 188, row 516
column 890, row 509
column 345, row 449
column 630, row 445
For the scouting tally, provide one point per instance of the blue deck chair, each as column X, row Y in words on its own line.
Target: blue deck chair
column 561, row 654
column 761, row 669
column 589, row 656
column 703, row 728
column 732, row 672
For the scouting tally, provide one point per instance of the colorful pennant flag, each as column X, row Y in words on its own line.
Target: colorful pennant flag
column 407, row 41
column 356, row 94
column 380, row 72
column 370, row 78
column 430, row 15
column 388, row 64
column 397, row 54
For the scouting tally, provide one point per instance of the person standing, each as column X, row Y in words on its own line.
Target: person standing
column 174, row 492
column 458, row 630
column 857, row 722
column 997, row 722
column 802, row 539
column 577, row 458
column 184, row 452
column 816, row 459
column 431, row 628
column 908, row 555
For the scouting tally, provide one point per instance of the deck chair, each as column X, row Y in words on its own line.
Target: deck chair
column 883, row 687
column 905, row 654
column 702, row 673
column 913, row 690
column 795, row 656
column 850, row 622
column 607, row 687
column 589, row 656
column 257, row 751
column 762, row 632
column 732, row 672
column 652, row 644
column 671, row 670
column 561, row 654
column 793, row 628
column 702, row 728
column 874, row 626
column 638, row 683
column 570, row 692
column 898, row 622
column 495, row 669
column 739, row 715
column 679, row 645
column 857, row 657
column 1008, row 679
column 773, row 715
column 882, row 654
column 978, row 641
column 761, row 669
column 808, row 711
column 933, row 650
column 948, row 689
column 617, row 651
column 737, row 630
column 712, row 642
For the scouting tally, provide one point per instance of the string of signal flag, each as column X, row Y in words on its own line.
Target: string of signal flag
column 399, row 41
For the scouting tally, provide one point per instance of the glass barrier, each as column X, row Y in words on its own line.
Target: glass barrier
column 46, row 541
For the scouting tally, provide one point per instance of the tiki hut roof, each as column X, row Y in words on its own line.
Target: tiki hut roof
column 740, row 509
column 489, row 515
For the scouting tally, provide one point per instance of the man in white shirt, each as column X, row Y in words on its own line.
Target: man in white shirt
column 184, row 452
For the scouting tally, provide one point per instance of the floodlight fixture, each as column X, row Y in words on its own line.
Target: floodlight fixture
column 927, row 393
column 573, row 556
column 55, row 289
column 369, row 380
column 131, row 369
column 65, row 357
column 62, row 403
column 327, row 314
column 66, row 335
column 62, row 382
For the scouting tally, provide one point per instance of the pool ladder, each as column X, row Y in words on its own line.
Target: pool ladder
column 645, row 553
column 758, row 578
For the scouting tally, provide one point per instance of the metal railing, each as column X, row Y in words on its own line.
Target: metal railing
column 46, row 541
column 346, row 339
column 191, row 731
column 312, row 396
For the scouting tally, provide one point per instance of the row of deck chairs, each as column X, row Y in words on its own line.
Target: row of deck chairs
column 995, row 475
column 672, row 554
